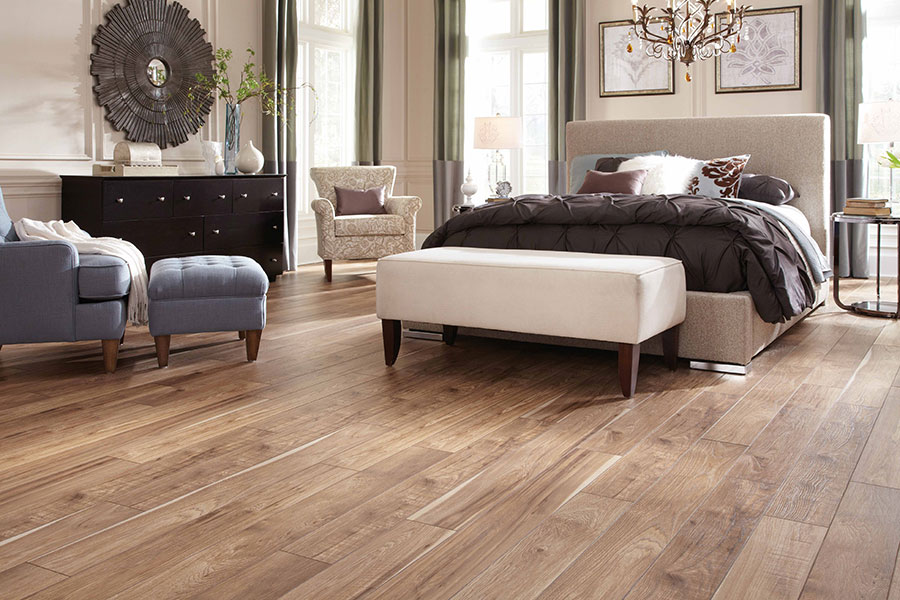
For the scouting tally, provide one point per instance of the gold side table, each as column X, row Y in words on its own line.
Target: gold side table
column 877, row 307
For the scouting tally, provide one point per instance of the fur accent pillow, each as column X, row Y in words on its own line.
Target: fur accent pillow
column 666, row 174
column 716, row 178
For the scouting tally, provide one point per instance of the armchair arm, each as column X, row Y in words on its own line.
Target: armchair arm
column 325, row 227
column 38, row 291
column 405, row 206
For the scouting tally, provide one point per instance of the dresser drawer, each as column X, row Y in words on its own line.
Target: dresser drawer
column 270, row 258
column 230, row 231
column 196, row 197
column 161, row 237
column 258, row 195
column 142, row 199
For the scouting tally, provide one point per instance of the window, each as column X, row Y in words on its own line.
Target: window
column 881, row 81
column 506, row 74
column 327, row 61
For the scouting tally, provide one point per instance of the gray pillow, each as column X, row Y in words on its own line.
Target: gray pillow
column 580, row 165
column 7, row 231
column 765, row 188
column 359, row 202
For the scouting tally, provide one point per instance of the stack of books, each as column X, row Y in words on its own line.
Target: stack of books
column 868, row 207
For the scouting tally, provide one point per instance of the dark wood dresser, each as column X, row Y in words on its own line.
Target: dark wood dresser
column 164, row 217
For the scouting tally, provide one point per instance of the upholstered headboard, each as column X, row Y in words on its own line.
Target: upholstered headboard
column 794, row 147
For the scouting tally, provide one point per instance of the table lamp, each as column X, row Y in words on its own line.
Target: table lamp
column 497, row 133
column 879, row 123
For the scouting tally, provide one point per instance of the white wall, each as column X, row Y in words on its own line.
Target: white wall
column 408, row 106
column 50, row 124
column 698, row 98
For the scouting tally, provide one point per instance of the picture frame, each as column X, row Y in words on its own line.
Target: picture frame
column 770, row 60
column 633, row 73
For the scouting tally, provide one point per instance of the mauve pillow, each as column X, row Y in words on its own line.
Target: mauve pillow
column 622, row 182
column 357, row 202
column 765, row 188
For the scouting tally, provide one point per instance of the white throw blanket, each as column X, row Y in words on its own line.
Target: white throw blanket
column 30, row 231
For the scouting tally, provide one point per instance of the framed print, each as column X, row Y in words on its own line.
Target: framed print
column 624, row 73
column 767, row 57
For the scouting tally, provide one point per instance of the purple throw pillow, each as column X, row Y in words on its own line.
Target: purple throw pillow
column 357, row 202
column 621, row 182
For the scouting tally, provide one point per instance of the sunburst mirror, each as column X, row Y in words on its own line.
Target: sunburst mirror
column 148, row 54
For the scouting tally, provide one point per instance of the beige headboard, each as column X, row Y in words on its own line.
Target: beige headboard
column 794, row 147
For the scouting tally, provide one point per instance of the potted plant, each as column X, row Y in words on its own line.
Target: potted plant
column 254, row 83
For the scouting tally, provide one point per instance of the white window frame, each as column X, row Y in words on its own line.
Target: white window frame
column 313, row 36
column 517, row 43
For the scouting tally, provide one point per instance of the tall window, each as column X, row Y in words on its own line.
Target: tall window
column 881, row 80
column 327, row 61
column 506, row 74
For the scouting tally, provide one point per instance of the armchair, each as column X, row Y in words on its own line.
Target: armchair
column 362, row 236
column 48, row 293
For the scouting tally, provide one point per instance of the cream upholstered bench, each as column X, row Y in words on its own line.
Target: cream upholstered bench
column 605, row 297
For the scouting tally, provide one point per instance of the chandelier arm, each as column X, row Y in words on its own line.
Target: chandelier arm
column 647, row 35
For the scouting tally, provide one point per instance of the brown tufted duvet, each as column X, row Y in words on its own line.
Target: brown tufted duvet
column 724, row 246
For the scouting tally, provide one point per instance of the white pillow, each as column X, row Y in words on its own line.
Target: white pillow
column 666, row 174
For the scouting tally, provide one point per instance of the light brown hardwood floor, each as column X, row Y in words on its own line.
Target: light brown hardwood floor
column 485, row 470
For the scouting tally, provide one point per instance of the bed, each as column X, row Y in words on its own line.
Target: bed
column 722, row 331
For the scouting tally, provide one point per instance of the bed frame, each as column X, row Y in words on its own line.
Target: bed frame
column 722, row 332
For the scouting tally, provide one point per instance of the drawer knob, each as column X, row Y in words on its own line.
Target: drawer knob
column 243, row 195
column 187, row 197
column 120, row 200
column 216, row 231
column 162, row 198
column 275, row 194
column 192, row 233
column 275, row 227
column 221, row 196
column 274, row 260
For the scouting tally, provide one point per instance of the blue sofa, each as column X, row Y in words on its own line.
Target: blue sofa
column 50, row 293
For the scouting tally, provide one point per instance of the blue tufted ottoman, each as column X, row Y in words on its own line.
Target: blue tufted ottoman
column 207, row 293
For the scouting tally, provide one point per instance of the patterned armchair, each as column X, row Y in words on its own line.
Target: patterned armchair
column 362, row 236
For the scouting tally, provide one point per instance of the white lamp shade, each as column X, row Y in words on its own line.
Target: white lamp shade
column 498, row 133
column 879, row 122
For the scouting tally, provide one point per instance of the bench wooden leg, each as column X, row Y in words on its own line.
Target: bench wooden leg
column 327, row 270
column 450, row 334
column 162, row 350
column 629, row 358
column 252, row 340
column 670, row 347
column 242, row 335
column 110, row 355
column 391, row 332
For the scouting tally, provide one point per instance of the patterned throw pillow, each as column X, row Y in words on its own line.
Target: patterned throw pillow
column 718, row 178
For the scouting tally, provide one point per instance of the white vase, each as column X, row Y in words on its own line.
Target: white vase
column 469, row 188
column 249, row 159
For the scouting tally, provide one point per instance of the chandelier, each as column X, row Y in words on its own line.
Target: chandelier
column 687, row 30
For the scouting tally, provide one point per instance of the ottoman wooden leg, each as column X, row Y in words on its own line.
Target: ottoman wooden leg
column 670, row 347
column 629, row 357
column 162, row 349
column 450, row 334
column 327, row 270
column 242, row 335
column 391, row 332
column 110, row 355
column 253, row 338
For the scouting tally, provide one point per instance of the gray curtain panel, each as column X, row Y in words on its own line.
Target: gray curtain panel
column 841, row 33
column 566, row 82
column 280, row 53
column 449, row 102
column 369, row 66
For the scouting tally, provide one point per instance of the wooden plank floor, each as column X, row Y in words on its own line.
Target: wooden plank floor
column 486, row 470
